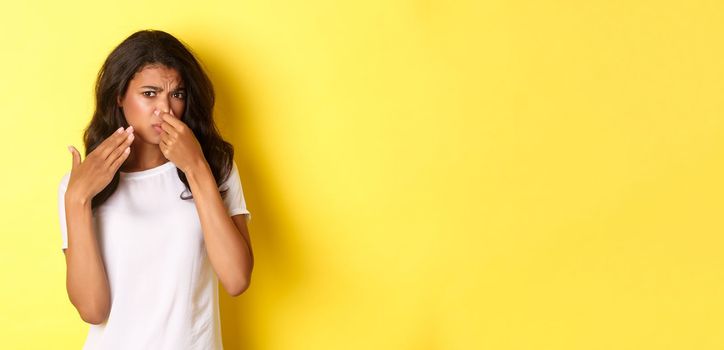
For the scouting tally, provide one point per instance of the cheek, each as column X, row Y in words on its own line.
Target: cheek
column 136, row 109
column 178, row 108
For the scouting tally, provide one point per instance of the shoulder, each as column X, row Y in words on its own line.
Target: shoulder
column 234, row 171
column 63, row 183
column 232, row 177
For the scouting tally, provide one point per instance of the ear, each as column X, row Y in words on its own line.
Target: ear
column 118, row 101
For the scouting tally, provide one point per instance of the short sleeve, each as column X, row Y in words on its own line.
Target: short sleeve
column 234, row 199
column 62, row 187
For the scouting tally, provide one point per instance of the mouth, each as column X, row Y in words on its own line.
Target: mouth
column 157, row 127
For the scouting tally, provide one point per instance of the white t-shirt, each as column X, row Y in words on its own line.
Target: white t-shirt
column 164, row 290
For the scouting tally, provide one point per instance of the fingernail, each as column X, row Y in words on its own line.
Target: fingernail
column 70, row 149
column 130, row 129
column 119, row 130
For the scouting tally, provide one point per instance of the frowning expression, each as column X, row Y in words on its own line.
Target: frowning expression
column 155, row 89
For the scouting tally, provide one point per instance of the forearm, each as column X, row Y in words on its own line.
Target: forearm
column 228, row 251
column 86, row 280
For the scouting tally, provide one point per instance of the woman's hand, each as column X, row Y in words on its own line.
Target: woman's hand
column 179, row 144
column 95, row 173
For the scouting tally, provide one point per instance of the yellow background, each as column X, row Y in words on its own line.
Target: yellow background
column 421, row 174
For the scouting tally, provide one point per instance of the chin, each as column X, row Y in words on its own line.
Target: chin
column 154, row 138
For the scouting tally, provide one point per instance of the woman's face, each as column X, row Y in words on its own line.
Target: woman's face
column 156, row 89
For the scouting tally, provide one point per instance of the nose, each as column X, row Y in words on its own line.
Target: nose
column 163, row 106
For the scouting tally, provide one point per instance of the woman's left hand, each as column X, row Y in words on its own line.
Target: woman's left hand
column 179, row 144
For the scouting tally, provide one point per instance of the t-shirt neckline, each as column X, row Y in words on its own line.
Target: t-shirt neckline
column 155, row 170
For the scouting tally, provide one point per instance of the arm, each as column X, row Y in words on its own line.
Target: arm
column 86, row 280
column 226, row 238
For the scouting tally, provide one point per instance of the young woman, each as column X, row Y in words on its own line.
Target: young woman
column 155, row 215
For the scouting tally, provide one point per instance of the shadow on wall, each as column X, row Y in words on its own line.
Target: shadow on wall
column 241, row 317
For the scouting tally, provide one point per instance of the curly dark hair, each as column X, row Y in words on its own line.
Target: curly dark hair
column 149, row 47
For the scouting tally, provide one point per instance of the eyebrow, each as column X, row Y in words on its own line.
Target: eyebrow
column 156, row 88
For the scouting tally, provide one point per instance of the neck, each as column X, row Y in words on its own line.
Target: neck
column 143, row 156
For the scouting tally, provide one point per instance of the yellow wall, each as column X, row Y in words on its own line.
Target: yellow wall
column 422, row 174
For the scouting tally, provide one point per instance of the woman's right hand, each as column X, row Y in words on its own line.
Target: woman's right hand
column 91, row 176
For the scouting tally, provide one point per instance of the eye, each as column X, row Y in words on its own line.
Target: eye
column 146, row 93
column 180, row 94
